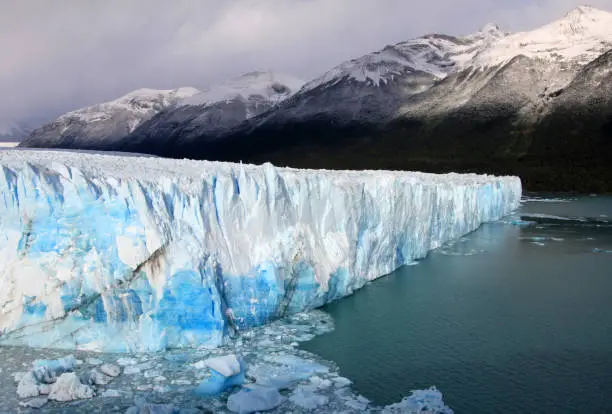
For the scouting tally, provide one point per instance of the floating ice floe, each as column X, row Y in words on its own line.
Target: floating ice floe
column 273, row 366
column 225, row 372
column 111, row 394
column 598, row 250
column 110, row 370
column 68, row 387
column 36, row 403
column 95, row 377
column 421, row 401
column 307, row 397
column 250, row 400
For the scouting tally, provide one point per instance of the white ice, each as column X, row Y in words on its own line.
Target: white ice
column 112, row 253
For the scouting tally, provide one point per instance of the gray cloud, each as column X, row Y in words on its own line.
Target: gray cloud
column 60, row 55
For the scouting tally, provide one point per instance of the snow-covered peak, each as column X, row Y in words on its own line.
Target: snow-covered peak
column 584, row 10
column 268, row 85
column 584, row 21
column 148, row 93
column 141, row 101
column 580, row 36
column 434, row 54
column 489, row 32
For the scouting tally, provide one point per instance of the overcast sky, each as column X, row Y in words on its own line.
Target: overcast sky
column 58, row 55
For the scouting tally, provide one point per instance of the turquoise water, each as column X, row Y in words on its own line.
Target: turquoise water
column 515, row 317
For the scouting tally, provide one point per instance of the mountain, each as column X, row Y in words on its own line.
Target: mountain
column 214, row 111
column 104, row 124
column 160, row 118
column 489, row 102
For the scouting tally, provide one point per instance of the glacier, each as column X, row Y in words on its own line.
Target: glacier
column 129, row 254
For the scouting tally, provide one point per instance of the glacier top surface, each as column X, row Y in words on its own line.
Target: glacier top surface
column 143, row 168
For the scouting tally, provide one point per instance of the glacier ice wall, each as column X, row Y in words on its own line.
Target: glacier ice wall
column 119, row 253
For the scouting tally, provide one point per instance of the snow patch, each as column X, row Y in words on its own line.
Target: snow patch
column 267, row 85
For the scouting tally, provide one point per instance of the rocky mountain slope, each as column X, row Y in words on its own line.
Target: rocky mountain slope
column 158, row 118
column 105, row 124
column 534, row 104
column 215, row 111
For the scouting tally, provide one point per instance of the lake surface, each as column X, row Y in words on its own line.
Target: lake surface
column 515, row 317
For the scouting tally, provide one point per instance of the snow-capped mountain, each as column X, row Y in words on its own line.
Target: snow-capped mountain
column 215, row 110
column 371, row 88
column 257, row 87
column 486, row 102
column 436, row 55
column 160, row 116
column 103, row 124
column 579, row 37
column 405, row 78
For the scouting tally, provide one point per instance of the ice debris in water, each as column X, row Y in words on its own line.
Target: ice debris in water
column 598, row 250
column 43, row 372
column 148, row 408
column 276, row 375
column 111, row 394
column 226, row 365
column 283, row 371
column 55, row 367
column 28, row 386
column 35, row 403
column 95, row 377
column 522, row 223
column 225, row 372
column 250, row 400
column 94, row 361
column 126, row 362
column 68, row 387
column 421, row 401
column 306, row 397
column 17, row 376
column 110, row 370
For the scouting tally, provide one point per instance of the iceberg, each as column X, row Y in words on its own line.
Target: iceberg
column 130, row 254
column 225, row 372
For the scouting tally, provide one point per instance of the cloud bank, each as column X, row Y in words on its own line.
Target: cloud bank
column 61, row 55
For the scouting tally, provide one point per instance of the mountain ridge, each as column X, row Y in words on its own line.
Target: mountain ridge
column 484, row 102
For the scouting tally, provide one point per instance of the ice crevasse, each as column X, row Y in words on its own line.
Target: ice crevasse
column 117, row 253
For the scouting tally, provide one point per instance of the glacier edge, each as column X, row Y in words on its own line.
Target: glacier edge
column 116, row 254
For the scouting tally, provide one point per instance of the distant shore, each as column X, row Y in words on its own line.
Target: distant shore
column 8, row 144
